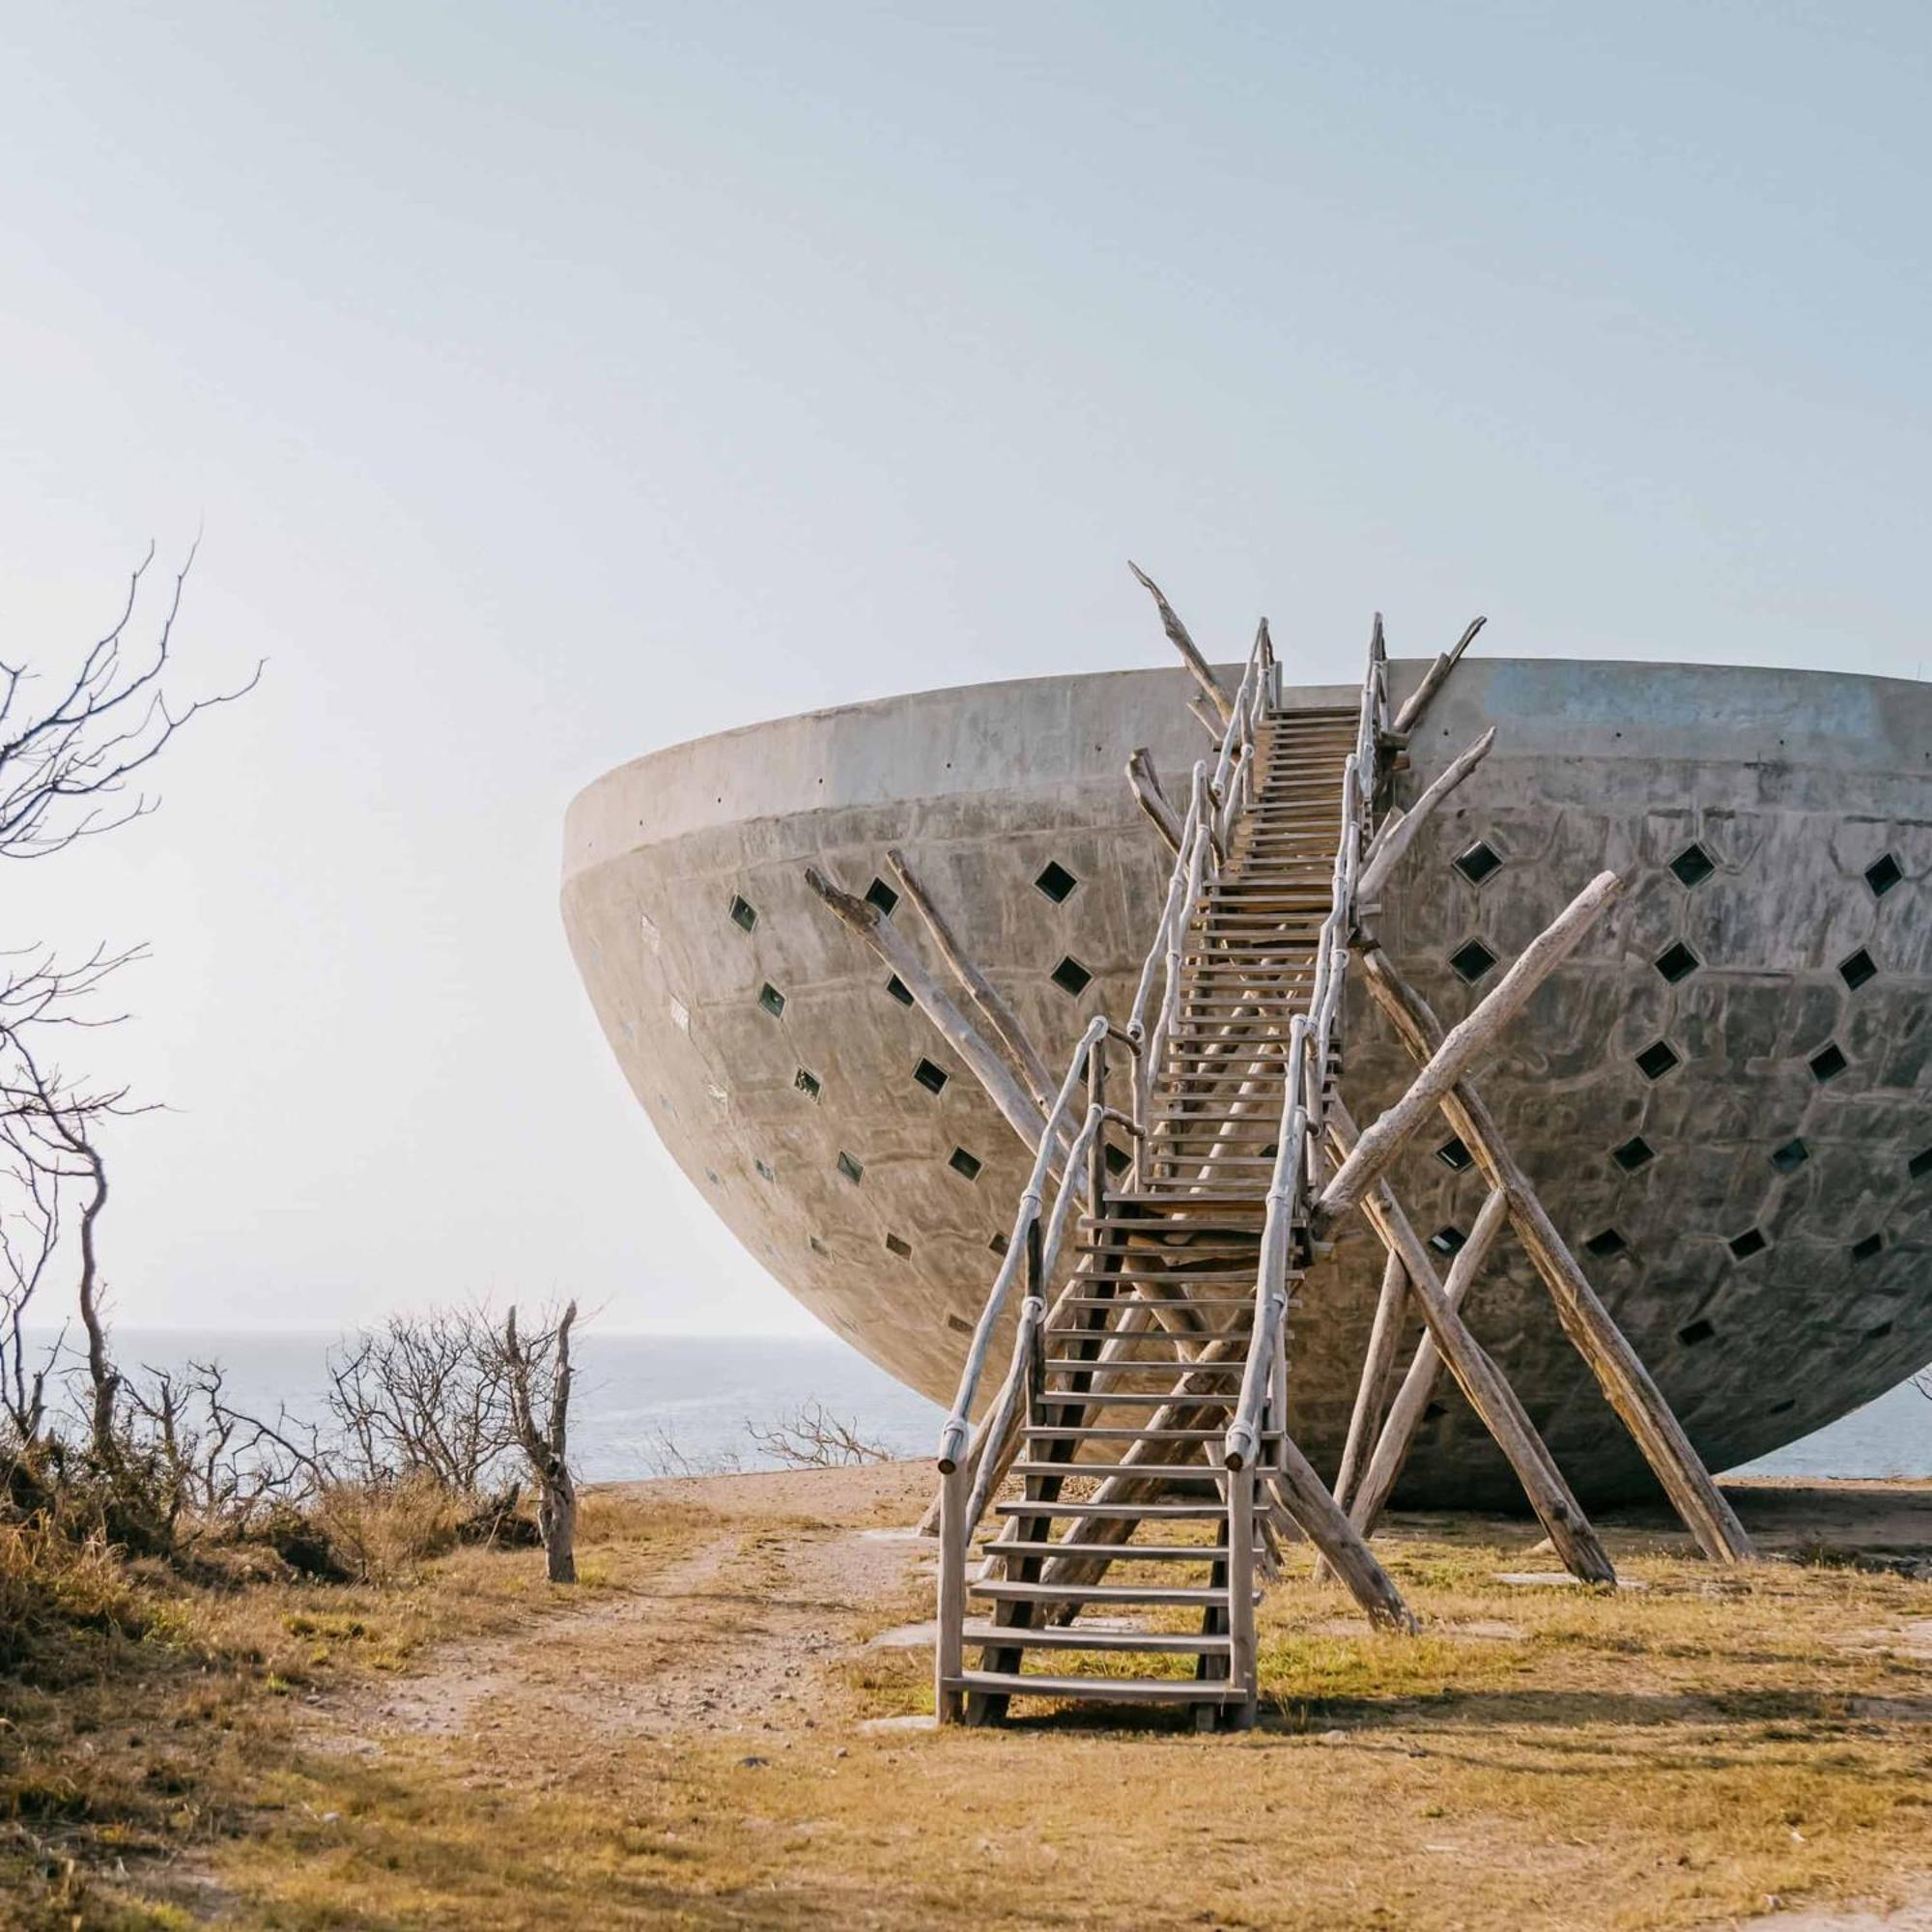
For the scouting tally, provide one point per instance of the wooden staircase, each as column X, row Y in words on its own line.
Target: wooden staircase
column 1140, row 1365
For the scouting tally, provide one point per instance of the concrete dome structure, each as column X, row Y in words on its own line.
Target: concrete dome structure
column 1724, row 1097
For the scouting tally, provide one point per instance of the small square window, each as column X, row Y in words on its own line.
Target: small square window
column 1920, row 1164
column 1478, row 862
column 1657, row 1060
column 1070, row 976
column 1827, row 1064
column 1750, row 1242
column 816, row 1246
column 963, row 1163
column 958, row 1323
column 1636, row 1152
column 1471, row 961
column 744, row 913
column 711, row 1175
column 1784, row 1408
column 1882, row 874
column 998, row 1244
column 806, row 1083
column 1455, row 1156
column 1677, row 962
column 879, row 893
column 1605, row 1246
column 1879, row 1332
column 850, row 1168
column 1117, row 1161
column 1864, row 1250
column 1790, row 1157
column 764, row 1169
column 932, row 1078
column 1056, row 882
column 1693, row 866
column 771, row 1000
column 900, row 990
column 896, row 1246
column 1448, row 1240
column 1694, row 1332
column 1857, row 970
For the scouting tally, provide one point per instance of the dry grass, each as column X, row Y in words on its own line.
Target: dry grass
column 1540, row 1758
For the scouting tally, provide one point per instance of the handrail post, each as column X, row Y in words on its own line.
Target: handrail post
column 1097, row 1154
column 948, row 1649
column 1241, row 1586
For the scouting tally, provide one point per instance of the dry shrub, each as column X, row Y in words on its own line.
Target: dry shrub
column 50, row 1585
column 383, row 1532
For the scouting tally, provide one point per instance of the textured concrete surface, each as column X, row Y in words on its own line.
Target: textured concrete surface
column 1792, row 786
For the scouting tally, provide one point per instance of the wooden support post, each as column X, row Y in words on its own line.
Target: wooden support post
column 1620, row 1373
column 1377, row 1367
column 1384, row 1141
column 1432, row 679
column 1340, row 1545
column 948, row 1649
column 1177, row 633
column 1399, row 829
column 1152, row 800
column 1241, row 1590
column 1481, row 1382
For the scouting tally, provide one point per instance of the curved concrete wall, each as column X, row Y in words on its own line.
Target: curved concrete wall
column 817, row 1134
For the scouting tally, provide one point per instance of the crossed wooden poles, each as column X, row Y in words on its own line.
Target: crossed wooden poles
column 988, row 1037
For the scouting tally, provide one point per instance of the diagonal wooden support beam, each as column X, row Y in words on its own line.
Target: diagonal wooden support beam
column 1432, row 679
column 1152, row 800
column 1620, row 1373
column 1399, row 829
column 1386, row 1139
column 1190, row 652
column 1378, row 1369
column 1484, row 1386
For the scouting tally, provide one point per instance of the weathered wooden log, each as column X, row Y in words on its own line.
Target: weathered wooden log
column 1399, row 829
column 1482, row 1382
column 1339, row 1544
column 1152, row 800
column 1432, row 679
column 1190, row 654
column 1003, row 1023
column 1002, row 1083
column 1619, row 1370
column 1378, row 1370
column 1380, row 1143
column 949, row 1646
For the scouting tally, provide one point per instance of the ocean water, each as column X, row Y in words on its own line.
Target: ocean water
column 650, row 1405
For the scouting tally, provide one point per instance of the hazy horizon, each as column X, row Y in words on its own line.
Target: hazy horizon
column 548, row 387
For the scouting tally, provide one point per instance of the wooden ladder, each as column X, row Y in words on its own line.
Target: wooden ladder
column 1142, row 1359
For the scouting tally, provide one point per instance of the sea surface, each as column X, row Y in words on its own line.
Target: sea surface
column 650, row 1405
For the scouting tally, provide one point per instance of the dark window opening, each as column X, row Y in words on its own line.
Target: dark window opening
column 1790, row 1157
column 816, row 1246
column 1750, row 1242
column 1920, row 1164
column 1636, row 1152
column 1606, row 1244
column 771, row 1000
column 1435, row 1412
column 1471, row 961
column 1882, row 874
column 959, row 1324
column 1860, row 968
column 1677, row 962
column 1118, row 1163
column 932, row 1078
column 1455, row 1156
column 1478, row 862
column 1693, row 1332
column 850, row 1168
column 764, row 1171
column 1878, row 1333
column 806, row 1083
column 1056, row 881
column 879, row 893
column 1784, row 1408
column 963, row 1163
column 1864, row 1250
column 896, row 1246
column 744, row 913
column 900, row 990
column 1070, row 976
column 1448, row 1240
column 998, row 1244
column 1657, row 1060
column 1693, row 866
column 1827, row 1064
column 711, row 1175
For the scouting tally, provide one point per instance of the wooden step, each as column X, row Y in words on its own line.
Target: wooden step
column 1196, row 1472
column 1070, row 1636
column 1114, row 1553
column 1191, row 1512
column 1097, row 1593
column 1102, row 1689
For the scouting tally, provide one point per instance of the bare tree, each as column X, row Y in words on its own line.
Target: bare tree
column 539, row 1373
column 811, row 1437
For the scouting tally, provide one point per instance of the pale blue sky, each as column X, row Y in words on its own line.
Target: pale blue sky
column 553, row 383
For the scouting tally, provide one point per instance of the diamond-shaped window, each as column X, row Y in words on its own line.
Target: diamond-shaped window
column 900, row 990
column 896, row 1246
column 744, row 913
column 1453, row 1155
column 806, row 1082
column 964, row 1164
column 1750, row 1242
column 1864, row 1250
column 932, row 1078
column 1478, row 862
column 1071, row 978
column 1657, row 1060
column 1920, row 1164
column 1056, row 881
column 1827, row 1064
column 1470, row 961
column 1606, row 1245
column 879, row 893
column 1693, row 866
column 1448, row 1240
column 764, row 1169
column 771, row 1000
column 1790, row 1157
column 1677, row 962
column 1882, row 874
column 1858, row 969
column 850, row 1168
column 1636, row 1152
column 1878, row 1331
column 1117, row 1161
column 999, row 1243
column 1694, row 1332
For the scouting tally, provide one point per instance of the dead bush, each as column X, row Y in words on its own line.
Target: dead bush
column 51, row 1585
column 385, row 1532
